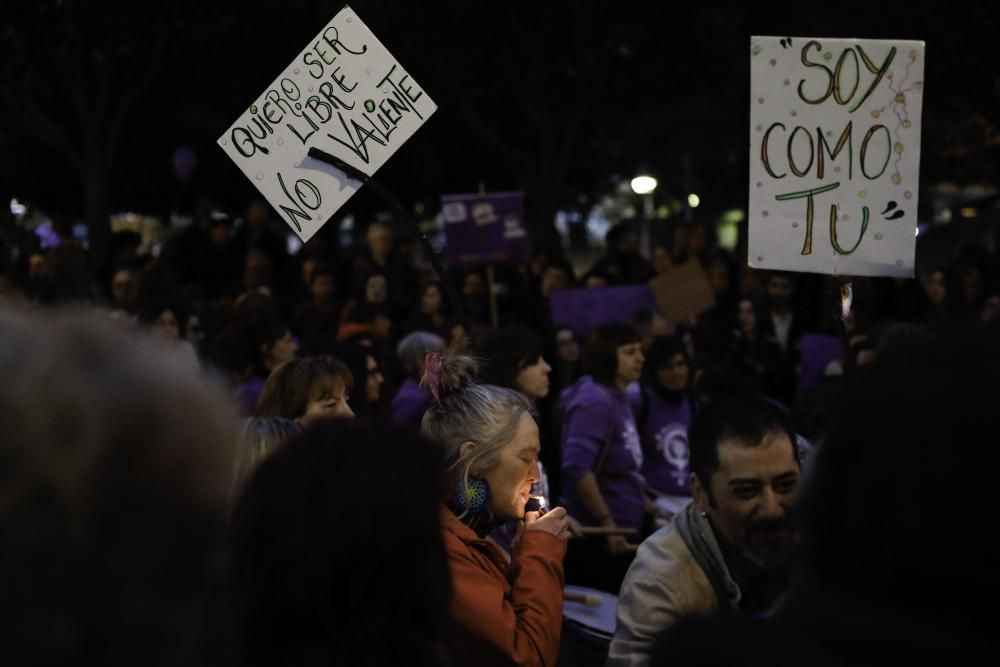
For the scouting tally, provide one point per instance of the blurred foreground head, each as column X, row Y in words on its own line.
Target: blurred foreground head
column 899, row 503
column 337, row 551
column 114, row 472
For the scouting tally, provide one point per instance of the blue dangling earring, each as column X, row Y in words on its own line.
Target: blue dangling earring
column 470, row 495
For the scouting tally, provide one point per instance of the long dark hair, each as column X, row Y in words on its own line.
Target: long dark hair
column 601, row 357
column 663, row 349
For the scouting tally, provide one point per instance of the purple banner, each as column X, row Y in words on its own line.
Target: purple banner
column 583, row 310
column 485, row 228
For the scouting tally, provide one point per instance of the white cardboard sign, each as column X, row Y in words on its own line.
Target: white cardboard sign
column 344, row 94
column 834, row 154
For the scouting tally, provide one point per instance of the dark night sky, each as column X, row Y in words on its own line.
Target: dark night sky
column 642, row 85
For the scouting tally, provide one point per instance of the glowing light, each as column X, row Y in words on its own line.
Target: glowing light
column 693, row 200
column 968, row 212
column 643, row 185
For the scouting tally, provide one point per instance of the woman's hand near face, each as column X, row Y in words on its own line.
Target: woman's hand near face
column 555, row 522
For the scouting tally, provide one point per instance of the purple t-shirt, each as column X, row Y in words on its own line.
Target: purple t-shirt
column 598, row 421
column 410, row 403
column 663, row 433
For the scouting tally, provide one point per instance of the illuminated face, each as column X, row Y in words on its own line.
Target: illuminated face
column 283, row 349
column 935, row 286
column 673, row 375
column 166, row 326
column 630, row 360
column 376, row 289
column 749, row 497
column 511, row 478
column 331, row 403
column 533, row 380
column 431, row 301
column 567, row 348
column 380, row 240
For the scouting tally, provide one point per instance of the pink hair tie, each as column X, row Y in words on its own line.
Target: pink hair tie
column 433, row 363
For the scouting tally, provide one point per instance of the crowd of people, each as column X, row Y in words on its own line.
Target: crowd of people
column 227, row 454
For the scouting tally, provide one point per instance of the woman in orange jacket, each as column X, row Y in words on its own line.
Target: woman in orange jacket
column 507, row 610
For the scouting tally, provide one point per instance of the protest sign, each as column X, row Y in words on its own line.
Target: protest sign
column 344, row 94
column 834, row 154
column 485, row 228
column 682, row 291
column 583, row 310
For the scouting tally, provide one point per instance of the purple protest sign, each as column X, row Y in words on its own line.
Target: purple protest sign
column 485, row 228
column 583, row 310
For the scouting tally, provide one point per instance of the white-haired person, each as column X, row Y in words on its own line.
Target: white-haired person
column 411, row 400
column 506, row 609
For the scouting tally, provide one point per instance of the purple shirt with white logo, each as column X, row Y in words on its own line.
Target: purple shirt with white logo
column 663, row 433
column 599, row 436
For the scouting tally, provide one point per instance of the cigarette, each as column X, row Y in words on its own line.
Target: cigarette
column 589, row 599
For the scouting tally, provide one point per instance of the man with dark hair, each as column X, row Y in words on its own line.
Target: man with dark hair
column 885, row 573
column 729, row 549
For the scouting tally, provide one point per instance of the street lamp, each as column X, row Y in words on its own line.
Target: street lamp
column 644, row 185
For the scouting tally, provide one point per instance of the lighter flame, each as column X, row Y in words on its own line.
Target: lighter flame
column 542, row 505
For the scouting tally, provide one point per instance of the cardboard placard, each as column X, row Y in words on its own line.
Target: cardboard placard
column 682, row 291
column 344, row 94
column 834, row 154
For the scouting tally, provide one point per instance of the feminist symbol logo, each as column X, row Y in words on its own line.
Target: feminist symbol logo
column 672, row 442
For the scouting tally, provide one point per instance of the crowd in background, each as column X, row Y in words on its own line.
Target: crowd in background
column 233, row 297
column 291, row 341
